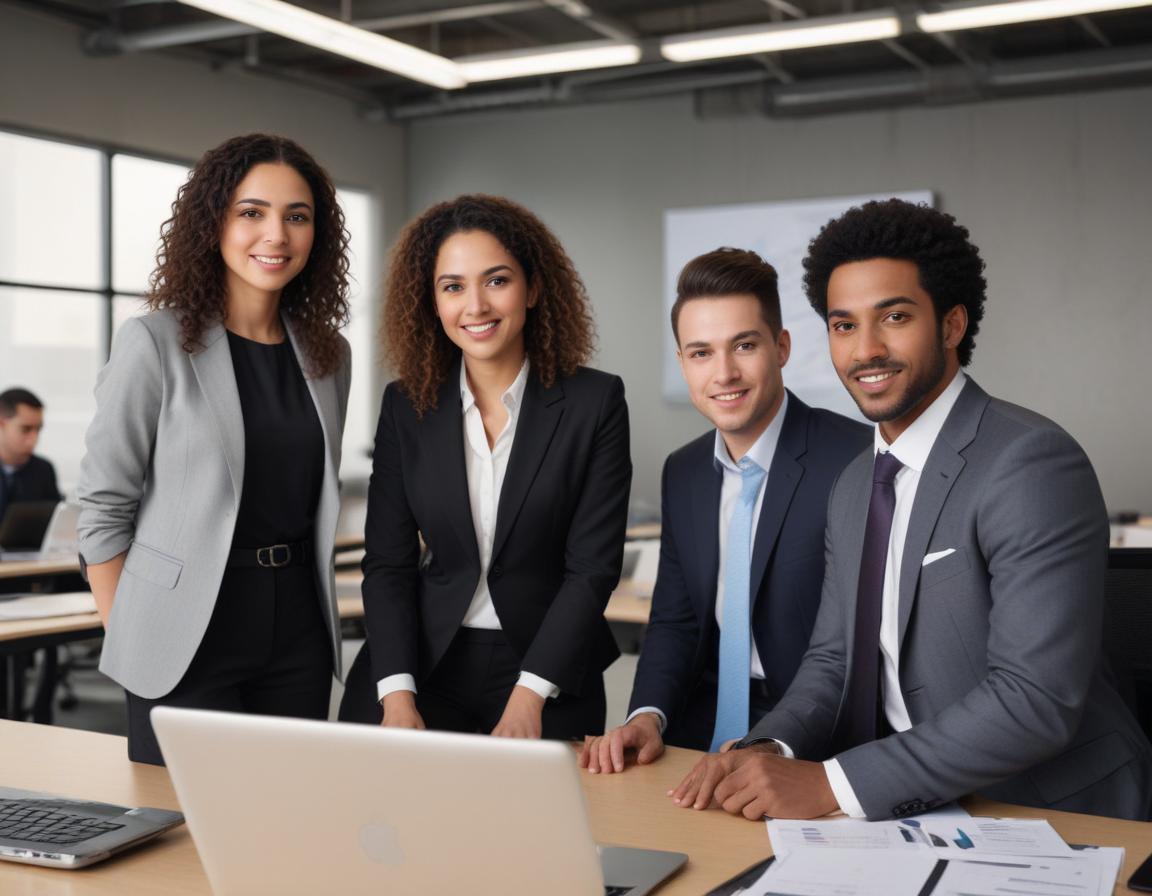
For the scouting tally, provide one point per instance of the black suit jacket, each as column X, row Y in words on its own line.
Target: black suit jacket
column 35, row 481
column 559, row 539
column 678, row 663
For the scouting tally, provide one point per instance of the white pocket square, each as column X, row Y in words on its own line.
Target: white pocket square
column 938, row 555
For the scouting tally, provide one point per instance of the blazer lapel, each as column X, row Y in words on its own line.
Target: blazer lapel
column 944, row 465
column 783, row 479
column 217, row 379
column 539, row 417
column 706, row 521
column 442, row 439
column 323, row 392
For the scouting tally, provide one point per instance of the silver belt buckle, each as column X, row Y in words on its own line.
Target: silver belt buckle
column 274, row 556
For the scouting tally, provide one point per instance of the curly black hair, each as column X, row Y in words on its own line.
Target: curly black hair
column 951, row 269
column 190, row 275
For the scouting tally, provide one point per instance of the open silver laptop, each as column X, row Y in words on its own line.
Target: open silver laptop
column 63, row 832
column 288, row 806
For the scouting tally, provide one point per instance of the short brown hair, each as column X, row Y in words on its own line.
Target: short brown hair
column 728, row 272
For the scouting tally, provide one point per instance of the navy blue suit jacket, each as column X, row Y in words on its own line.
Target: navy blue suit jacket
column 678, row 662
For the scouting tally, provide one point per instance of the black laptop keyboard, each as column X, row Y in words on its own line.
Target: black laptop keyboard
column 617, row 891
column 28, row 820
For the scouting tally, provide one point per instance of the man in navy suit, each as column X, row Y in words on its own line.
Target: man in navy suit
column 23, row 475
column 743, row 514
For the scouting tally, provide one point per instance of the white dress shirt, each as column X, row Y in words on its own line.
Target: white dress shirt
column 485, row 467
column 911, row 448
column 762, row 452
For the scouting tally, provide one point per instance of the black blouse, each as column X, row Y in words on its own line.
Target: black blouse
column 283, row 445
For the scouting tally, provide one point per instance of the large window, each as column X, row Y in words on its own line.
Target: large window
column 78, row 241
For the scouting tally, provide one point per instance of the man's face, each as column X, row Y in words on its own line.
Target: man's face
column 887, row 346
column 19, row 434
column 731, row 363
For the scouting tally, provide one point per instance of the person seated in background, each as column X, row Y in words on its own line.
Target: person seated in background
column 958, row 643
column 742, row 536
column 23, row 475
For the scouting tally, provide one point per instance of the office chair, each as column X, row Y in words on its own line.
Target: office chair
column 1128, row 628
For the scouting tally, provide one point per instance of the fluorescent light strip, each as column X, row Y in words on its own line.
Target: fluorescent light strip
column 559, row 58
column 958, row 18
column 819, row 32
column 306, row 27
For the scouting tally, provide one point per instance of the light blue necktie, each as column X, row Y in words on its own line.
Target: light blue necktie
column 735, row 625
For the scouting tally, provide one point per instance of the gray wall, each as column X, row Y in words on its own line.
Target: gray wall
column 178, row 108
column 1056, row 192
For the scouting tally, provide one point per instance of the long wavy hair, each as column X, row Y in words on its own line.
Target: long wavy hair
column 190, row 275
column 559, row 334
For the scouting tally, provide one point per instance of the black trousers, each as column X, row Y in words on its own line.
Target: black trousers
column 468, row 689
column 266, row 651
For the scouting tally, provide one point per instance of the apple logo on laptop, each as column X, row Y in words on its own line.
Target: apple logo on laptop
column 381, row 844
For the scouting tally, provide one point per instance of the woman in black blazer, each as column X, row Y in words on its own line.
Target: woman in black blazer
column 511, row 462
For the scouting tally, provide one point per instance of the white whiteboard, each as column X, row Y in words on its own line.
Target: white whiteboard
column 779, row 232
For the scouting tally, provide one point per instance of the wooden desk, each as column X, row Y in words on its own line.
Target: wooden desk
column 629, row 809
column 625, row 605
column 13, row 569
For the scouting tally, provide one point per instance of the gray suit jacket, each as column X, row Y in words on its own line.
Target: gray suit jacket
column 999, row 641
column 161, row 479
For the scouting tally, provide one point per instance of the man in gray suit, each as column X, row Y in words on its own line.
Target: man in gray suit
column 957, row 647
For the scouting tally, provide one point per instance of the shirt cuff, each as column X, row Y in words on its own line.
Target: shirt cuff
column 652, row 709
column 786, row 751
column 400, row 682
column 538, row 685
column 843, row 791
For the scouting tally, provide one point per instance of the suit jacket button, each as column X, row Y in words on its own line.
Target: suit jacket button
column 496, row 572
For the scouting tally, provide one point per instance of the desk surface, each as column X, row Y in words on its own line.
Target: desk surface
column 64, row 565
column 629, row 809
column 88, row 624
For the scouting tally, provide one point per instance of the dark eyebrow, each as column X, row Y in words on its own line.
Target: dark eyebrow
column 488, row 273
column 264, row 204
column 740, row 337
column 879, row 306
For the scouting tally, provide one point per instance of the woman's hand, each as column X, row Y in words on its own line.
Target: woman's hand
column 522, row 715
column 400, row 711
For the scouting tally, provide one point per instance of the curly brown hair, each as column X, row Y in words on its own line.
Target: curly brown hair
column 190, row 276
column 559, row 334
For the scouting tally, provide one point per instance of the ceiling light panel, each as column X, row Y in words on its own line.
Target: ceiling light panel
column 743, row 41
column 324, row 33
column 558, row 58
column 958, row 17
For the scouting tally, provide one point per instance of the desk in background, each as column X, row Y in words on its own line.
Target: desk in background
column 629, row 809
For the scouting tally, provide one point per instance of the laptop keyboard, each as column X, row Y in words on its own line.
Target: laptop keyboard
column 28, row 820
column 617, row 891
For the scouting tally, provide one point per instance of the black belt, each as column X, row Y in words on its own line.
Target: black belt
column 297, row 553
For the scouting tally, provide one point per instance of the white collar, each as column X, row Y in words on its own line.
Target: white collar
column 512, row 397
column 762, row 450
column 913, row 446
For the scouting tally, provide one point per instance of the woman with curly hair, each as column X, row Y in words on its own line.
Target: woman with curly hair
column 209, row 490
column 511, row 461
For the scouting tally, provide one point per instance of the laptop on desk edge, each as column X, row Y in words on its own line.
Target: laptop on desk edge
column 292, row 806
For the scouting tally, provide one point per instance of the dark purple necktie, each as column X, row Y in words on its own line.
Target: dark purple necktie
column 862, row 707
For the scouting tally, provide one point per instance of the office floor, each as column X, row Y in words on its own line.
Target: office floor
column 100, row 703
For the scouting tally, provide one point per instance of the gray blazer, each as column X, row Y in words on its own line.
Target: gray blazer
column 1000, row 640
column 161, row 479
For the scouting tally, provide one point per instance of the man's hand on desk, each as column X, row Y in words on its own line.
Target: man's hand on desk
column 755, row 782
column 400, row 711
column 606, row 752
column 522, row 715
